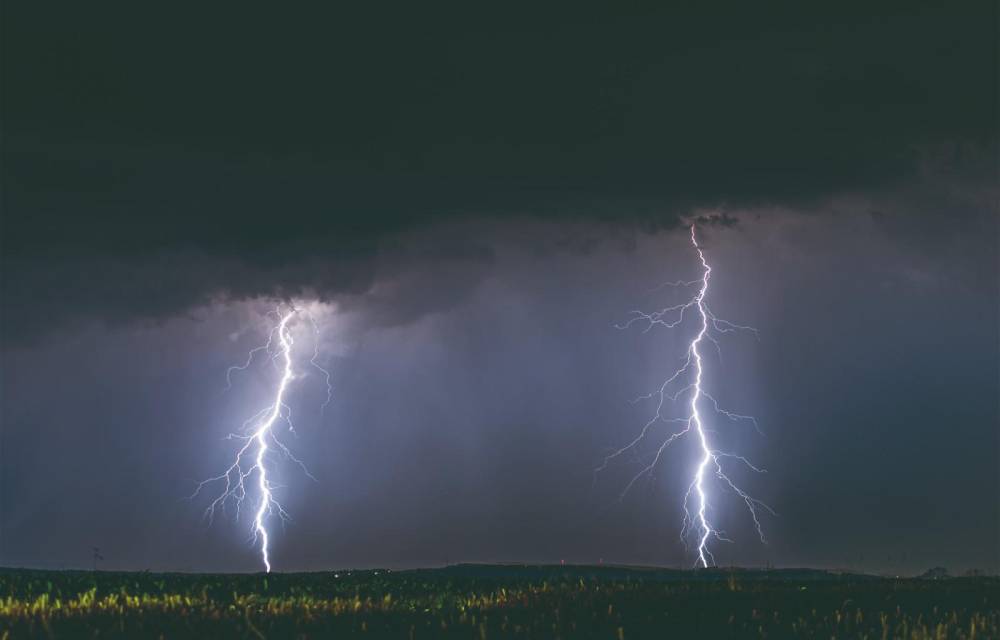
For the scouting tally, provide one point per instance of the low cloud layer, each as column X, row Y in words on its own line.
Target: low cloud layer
column 143, row 177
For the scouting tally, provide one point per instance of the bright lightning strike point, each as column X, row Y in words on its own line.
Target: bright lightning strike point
column 697, row 503
column 259, row 433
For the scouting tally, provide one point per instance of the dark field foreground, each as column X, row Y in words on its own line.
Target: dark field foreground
column 495, row 602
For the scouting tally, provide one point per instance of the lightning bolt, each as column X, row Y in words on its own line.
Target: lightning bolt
column 697, row 522
column 258, row 434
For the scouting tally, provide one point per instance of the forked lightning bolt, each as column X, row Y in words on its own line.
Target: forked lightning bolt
column 258, row 435
column 697, row 502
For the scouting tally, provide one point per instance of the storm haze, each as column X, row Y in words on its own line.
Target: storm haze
column 470, row 202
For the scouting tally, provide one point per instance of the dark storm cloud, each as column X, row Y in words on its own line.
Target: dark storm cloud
column 154, row 160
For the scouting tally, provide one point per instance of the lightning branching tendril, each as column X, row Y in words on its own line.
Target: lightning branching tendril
column 688, row 379
column 258, row 434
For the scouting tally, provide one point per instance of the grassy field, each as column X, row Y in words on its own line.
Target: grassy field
column 469, row 601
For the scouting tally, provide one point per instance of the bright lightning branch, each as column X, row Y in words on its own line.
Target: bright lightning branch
column 259, row 437
column 688, row 383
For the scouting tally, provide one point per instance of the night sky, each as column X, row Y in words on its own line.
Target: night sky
column 470, row 197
